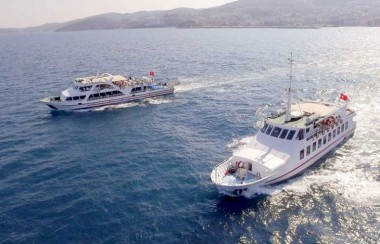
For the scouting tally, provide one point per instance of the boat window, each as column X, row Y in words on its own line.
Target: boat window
column 334, row 133
column 264, row 128
column 307, row 130
column 307, row 150
column 75, row 98
column 329, row 136
column 302, row 154
column 69, row 98
column 324, row 140
column 276, row 132
column 346, row 126
column 105, row 86
column 283, row 133
column 96, row 95
column 314, row 146
column 301, row 134
column 102, row 94
column 290, row 135
column 342, row 128
column 82, row 97
column 319, row 143
column 269, row 130
column 338, row 130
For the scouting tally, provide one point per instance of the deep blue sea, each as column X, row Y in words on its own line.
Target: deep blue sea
column 140, row 172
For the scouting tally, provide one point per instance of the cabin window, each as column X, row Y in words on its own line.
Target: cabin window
column 96, row 95
column 269, row 130
column 75, row 98
column 346, row 126
column 102, row 94
column 319, row 143
column 105, row 86
column 264, row 128
column 82, row 97
column 301, row 134
column 84, row 88
column 330, row 136
column 291, row 135
column 283, row 133
column 276, row 132
column 307, row 150
column 302, row 154
column 138, row 88
column 69, row 98
column 338, row 130
column 314, row 146
column 342, row 128
column 334, row 133
column 307, row 130
column 324, row 140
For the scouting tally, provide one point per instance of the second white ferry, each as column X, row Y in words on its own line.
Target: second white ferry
column 106, row 89
column 289, row 142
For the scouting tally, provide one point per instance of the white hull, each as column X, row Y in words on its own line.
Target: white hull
column 105, row 89
column 83, row 105
column 268, row 160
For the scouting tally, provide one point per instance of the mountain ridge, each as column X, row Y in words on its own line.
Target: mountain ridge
column 242, row 13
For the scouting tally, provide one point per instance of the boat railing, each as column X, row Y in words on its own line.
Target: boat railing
column 219, row 171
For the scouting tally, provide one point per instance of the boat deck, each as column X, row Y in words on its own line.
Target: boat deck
column 236, row 179
column 310, row 108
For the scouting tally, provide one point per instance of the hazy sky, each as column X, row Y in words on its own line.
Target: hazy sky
column 25, row 13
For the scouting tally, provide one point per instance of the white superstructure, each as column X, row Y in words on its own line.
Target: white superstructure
column 106, row 89
column 288, row 143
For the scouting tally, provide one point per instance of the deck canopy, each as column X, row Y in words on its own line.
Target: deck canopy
column 313, row 110
column 99, row 79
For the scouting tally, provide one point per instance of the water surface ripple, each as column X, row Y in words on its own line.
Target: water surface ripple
column 139, row 172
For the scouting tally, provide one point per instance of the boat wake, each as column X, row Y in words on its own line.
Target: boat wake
column 190, row 84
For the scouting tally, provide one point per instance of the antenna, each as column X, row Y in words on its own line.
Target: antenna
column 288, row 116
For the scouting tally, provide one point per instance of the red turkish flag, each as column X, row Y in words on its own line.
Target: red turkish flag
column 151, row 73
column 343, row 97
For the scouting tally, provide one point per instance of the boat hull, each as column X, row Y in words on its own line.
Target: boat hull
column 87, row 105
column 281, row 174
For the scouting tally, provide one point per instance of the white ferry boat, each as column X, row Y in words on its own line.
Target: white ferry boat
column 289, row 142
column 106, row 89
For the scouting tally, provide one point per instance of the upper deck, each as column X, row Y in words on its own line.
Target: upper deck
column 103, row 78
column 307, row 111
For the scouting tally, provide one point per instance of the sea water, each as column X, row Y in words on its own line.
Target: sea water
column 140, row 172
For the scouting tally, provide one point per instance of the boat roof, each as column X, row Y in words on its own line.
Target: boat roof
column 311, row 109
column 99, row 79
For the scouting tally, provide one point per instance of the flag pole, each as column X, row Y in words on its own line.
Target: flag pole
column 288, row 116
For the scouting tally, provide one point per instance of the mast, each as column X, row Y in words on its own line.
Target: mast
column 289, row 105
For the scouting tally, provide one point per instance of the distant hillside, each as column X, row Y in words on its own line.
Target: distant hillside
column 243, row 13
